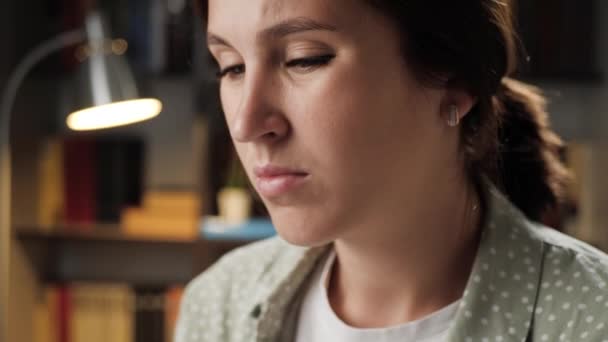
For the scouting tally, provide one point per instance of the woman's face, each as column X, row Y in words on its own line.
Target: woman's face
column 331, row 126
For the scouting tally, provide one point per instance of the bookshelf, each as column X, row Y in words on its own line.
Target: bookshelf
column 94, row 256
column 105, row 254
column 92, row 276
column 62, row 256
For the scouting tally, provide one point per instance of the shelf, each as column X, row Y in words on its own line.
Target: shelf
column 103, row 253
column 98, row 232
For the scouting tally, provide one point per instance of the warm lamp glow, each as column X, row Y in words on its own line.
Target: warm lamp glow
column 114, row 114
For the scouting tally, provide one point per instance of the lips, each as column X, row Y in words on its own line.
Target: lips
column 273, row 181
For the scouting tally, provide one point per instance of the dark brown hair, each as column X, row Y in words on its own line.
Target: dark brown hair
column 506, row 137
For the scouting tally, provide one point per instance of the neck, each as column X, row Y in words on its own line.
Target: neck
column 410, row 267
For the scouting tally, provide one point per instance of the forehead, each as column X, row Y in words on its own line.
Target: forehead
column 250, row 16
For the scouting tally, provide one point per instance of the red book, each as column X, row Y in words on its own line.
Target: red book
column 64, row 313
column 80, row 155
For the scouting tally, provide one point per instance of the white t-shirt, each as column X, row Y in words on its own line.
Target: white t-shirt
column 318, row 322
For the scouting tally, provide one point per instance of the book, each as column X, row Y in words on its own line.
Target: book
column 138, row 33
column 180, row 28
column 185, row 203
column 157, row 36
column 173, row 297
column 149, row 314
column 51, row 184
column 44, row 325
column 119, row 177
column 120, row 318
column 216, row 228
column 101, row 312
column 158, row 224
column 79, row 179
column 64, row 313
column 164, row 214
column 86, row 315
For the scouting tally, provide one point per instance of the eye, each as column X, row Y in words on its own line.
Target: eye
column 232, row 71
column 309, row 63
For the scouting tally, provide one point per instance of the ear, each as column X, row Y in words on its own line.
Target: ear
column 458, row 101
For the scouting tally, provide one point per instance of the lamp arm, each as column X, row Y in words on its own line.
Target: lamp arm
column 30, row 61
column 8, row 97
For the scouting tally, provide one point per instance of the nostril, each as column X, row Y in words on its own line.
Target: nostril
column 271, row 136
column 276, row 134
column 277, row 126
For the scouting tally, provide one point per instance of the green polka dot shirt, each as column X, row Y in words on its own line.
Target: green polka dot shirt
column 528, row 283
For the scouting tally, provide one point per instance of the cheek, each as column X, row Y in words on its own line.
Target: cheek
column 229, row 100
column 368, row 134
column 352, row 116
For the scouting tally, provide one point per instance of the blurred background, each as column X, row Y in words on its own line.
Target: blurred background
column 109, row 225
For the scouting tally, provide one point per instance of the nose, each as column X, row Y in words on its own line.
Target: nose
column 259, row 115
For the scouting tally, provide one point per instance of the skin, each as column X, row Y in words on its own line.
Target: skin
column 386, row 182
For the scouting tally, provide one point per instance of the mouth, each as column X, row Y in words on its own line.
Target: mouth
column 273, row 181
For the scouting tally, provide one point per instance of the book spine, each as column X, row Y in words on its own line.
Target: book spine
column 51, row 196
column 173, row 297
column 137, row 35
column 157, row 39
column 80, row 181
column 64, row 314
column 102, row 312
column 45, row 315
column 180, row 32
column 119, row 177
column 149, row 315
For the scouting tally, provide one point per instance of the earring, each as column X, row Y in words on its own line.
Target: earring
column 453, row 116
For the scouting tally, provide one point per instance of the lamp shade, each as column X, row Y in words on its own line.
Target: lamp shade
column 105, row 93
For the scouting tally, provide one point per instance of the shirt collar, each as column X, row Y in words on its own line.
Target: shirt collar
column 280, row 286
column 500, row 295
column 499, row 298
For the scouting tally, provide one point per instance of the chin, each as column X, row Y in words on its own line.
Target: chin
column 300, row 230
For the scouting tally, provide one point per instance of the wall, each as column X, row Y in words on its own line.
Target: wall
column 580, row 112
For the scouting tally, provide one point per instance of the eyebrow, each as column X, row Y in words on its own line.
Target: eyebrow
column 280, row 30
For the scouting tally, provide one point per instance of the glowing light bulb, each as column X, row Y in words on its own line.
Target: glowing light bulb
column 114, row 114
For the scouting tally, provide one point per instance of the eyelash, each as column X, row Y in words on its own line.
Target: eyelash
column 310, row 62
column 229, row 70
column 304, row 63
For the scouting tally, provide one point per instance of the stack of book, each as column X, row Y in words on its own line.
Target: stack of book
column 164, row 214
column 86, row 312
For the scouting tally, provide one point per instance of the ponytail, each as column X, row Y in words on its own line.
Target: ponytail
column 529, row 169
